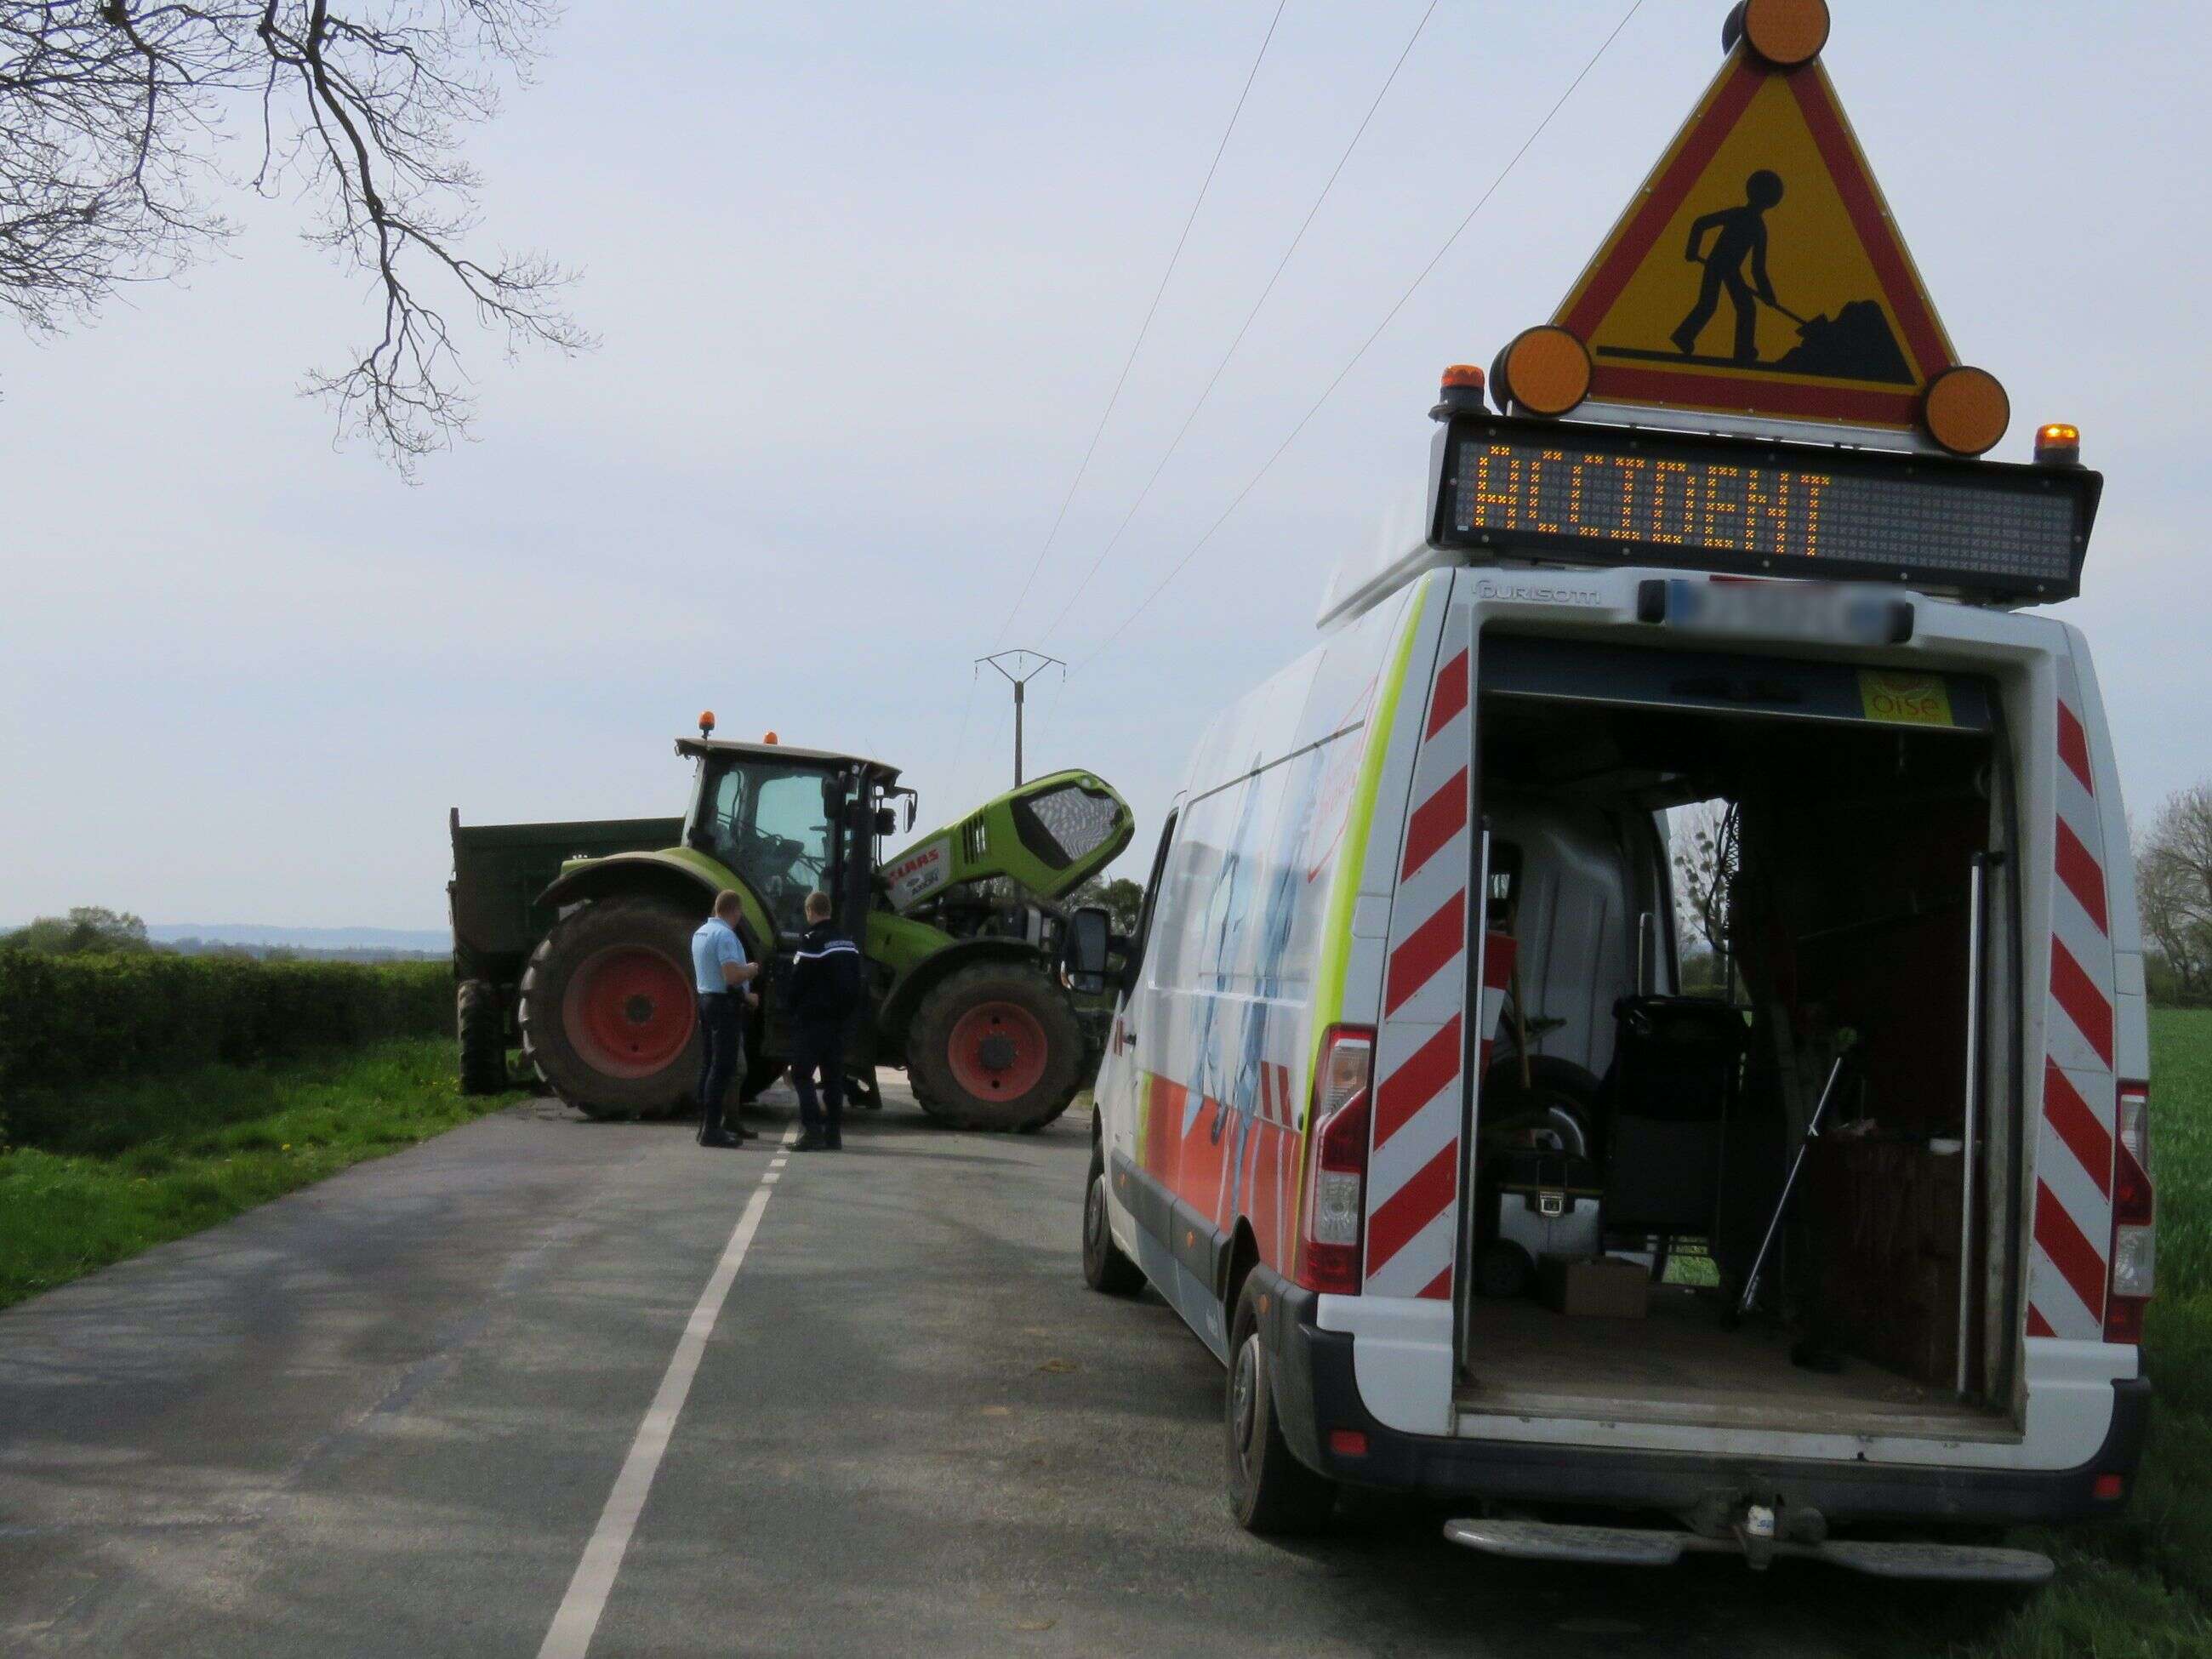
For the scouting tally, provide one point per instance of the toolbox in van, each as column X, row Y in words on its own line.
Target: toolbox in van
column 1539, row 1203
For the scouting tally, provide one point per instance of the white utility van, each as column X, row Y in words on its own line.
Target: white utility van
column 1406, row 1112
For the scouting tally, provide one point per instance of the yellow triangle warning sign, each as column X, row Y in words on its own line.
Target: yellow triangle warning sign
column 1758, row 271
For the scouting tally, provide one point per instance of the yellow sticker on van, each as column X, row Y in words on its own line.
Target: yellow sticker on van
column 1904, row 699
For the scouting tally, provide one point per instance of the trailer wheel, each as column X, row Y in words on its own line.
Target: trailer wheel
column 1270, row 1491
column 482, row 1032
column 610, row 1016
column 995, row 1046
column 1105, row 1268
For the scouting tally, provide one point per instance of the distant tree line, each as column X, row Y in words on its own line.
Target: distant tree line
column 95, row 930
column 2173, row 887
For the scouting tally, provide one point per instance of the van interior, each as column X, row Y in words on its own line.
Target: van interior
column 1832, row 828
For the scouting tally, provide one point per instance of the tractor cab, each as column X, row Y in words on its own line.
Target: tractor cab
column 786, row 821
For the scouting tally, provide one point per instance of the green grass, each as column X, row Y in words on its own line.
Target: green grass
column 126, row 1165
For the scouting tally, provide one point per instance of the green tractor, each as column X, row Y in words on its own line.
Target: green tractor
column 590, row 970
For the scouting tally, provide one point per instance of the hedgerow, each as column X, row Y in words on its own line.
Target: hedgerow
column 69, row 1020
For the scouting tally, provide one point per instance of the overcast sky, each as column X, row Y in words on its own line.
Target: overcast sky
column 865, row 277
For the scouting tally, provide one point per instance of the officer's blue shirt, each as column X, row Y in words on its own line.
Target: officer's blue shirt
column 715, row 943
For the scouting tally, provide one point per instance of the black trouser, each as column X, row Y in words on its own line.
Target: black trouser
column 819, row 1043
column 720, row 1056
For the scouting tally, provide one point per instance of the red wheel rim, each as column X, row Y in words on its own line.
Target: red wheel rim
column 997, row 1051
column 629, row 1011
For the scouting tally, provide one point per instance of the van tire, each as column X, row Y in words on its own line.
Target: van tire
column 1045, row 1058
column 1270, row 1491
column 1105, row 1268
column 480, row 1028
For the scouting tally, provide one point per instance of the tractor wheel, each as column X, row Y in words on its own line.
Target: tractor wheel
column 483, row 1031
column 994, row 1047
column 610, row 1016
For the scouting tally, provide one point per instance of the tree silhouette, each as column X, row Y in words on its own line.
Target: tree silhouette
column 113, row 117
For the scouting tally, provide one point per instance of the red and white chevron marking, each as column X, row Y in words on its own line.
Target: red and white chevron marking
column 2066, row 1275
column 1413, row 1175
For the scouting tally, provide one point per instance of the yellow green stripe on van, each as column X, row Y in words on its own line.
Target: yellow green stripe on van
column 1344, row 891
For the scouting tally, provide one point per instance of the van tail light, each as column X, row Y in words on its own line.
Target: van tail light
column 1333, row 1204
column 2135, row 1240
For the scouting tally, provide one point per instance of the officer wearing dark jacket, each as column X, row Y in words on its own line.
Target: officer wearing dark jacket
column 826, row 980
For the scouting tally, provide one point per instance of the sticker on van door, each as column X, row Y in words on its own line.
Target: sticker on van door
column 1904, row 699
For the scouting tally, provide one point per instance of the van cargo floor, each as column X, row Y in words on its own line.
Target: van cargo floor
column 1680, row 1365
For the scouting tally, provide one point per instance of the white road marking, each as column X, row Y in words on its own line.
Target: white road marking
column 578, row 1616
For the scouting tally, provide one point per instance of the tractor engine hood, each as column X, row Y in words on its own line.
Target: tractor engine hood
column 1049, row 837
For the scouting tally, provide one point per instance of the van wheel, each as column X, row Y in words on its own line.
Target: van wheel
column 1105, row 1269
column 1269, row 1490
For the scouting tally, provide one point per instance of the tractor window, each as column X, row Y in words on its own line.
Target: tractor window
column 767, row 823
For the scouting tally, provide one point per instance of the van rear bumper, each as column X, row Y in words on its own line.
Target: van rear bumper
column 1316, row 1393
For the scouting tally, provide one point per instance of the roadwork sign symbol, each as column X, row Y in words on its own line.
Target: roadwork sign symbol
column 1759, row 270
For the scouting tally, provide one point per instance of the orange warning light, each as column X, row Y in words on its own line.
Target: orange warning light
column 767, row 737
column 1462, row 393
column 1546, row 370
column 1786, row 33
column 1965, row 410
column 706, row 723
column 2058, row 443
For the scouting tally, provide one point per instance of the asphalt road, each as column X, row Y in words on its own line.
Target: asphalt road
column 385, row 1416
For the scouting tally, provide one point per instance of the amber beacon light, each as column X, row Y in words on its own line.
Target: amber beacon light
column 2058, row 443
column 1546, row 371
column 1965, row 410
column 1461, row 390
column 706, row 723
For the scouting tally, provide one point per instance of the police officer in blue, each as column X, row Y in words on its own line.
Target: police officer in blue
column 826, row 986
column 722, row 973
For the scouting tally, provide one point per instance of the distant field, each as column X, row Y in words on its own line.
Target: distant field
column 140, row 1163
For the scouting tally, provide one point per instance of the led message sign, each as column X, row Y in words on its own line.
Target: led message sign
column 1591, row 494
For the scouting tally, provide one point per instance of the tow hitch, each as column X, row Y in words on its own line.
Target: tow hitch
column 1761, row 1529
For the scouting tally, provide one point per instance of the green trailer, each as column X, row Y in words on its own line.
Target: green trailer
column 573, row 941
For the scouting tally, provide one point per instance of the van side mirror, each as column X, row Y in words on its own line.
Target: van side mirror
column 1084, row 949
column 912, row 802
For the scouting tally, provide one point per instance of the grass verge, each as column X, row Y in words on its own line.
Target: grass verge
column 135, row 1163
column 2139, row 1587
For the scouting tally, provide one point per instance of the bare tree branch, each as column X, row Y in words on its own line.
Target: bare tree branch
column 111, row 114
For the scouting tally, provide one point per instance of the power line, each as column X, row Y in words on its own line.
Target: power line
column 1146, row 327
column 1246, row 326
column 1388, row 316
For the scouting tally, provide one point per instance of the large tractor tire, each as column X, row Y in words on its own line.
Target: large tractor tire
column 483, row 1031
column 994, row 1047
column 610, row 1016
